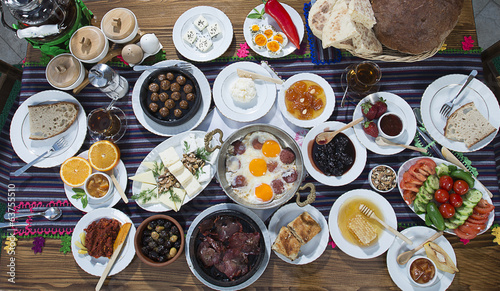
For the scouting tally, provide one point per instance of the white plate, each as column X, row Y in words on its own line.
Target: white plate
column 330, row 99
column 163, row 130
column 445, row 88
column 405, row 166
column 314, row 248
column 220, row 42
column 418, row 234
column 154, row 155
column 121, row 175
column 268, row 20
column 95, row 266
column 28, row 149
column 357, row 167
column 395, row 104
column 260, row 105
column 383, row 242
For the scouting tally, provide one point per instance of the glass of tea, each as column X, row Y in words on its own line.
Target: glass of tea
column 361, row 79
column 107, row 123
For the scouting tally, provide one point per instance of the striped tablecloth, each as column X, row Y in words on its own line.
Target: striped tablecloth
column 38, row 188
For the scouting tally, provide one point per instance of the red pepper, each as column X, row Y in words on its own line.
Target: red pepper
column 281, row 16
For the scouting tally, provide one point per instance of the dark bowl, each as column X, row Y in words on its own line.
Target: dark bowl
column 211, row 274
column 138, row 241
column 170, row 119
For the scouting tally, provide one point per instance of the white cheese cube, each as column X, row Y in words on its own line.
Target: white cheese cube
column 213, row 29
column 165, row 200
column 203, row 44
column 169, row 156
column 189, row 144
column 177, row 168
column 200, row 23
column 145, row 177
column 192, row 188
column 184, row 177
column 190, row 36
column 205, row 174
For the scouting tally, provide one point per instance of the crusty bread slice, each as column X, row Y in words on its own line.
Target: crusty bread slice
column 304, row 227
column 468, row 125
column 319, row 15
column 361, row 11
column 287, row 244
column 49, row 120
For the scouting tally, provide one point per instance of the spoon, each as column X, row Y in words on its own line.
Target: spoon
column 382, row 141
column 418, row 117
column 52, row 213
column 343, row 97
column 327, row 136
column 403, row 258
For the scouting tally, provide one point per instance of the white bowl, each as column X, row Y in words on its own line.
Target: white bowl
column 371, row 182
column 94, row 200
column 383, row 134
column 431, row 282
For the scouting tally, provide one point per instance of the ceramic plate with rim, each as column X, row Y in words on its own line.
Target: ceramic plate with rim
column 330, row 99
column 258, row 107
column 311, row 250
column 162, row 130
column 395, row 104
column 383, row 242
column 154, row 155
column 95, row 266
column 28, row 149
column 121, row 175
column 349, row 176
column 444, row 89
column 406, row 165
column 418, row 234
column 220, row 43
column 268, row 20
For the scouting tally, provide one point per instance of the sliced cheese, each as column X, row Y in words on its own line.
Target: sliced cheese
column 192, row 188
column 176, row 168
column 145, row 177
column 182, row 194
column 165, row 200
column 184, row 177
column 169, row 157
column 154, row 198
column 149, row 165
column 205, row 174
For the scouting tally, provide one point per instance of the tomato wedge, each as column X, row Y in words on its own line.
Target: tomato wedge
column 408, row 178
column 409, row 196
column 427, row 165
column 477, row 221
column 416, row 174
column 408, row 186
column 464, row 235
column 484, row 210
column 479, row 216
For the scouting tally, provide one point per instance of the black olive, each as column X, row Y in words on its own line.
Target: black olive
column 148, row 240
column 161, row 241
column 177, row 244
column 146, row 232
column 152, row 245
column 174, row 230
column 169, row 244
column 160, row 221
column 154, row 223
column 145, row 250
column 163, row 233
column 168, row 224
column 154, row 255
column 162, row 259
column 160, row 248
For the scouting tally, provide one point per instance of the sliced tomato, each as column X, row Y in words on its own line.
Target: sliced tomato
column 474, row 226
column 482, row 203
column 409, row 196
column 478, row 216
column 427, row 165
column 408, row 186
column 408, row 178
column 464, row 235
column 484, row 210
column 477, row 221
column 468, row 229
column 415, row 173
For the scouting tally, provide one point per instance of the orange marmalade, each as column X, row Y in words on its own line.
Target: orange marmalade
column 305, row 100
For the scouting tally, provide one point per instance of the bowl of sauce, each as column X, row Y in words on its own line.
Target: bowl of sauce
column 421, row 271
column 390, row 125
column 99, row 188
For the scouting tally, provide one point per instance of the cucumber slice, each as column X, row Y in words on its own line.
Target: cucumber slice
column 419, row 206
column 424, row 195
column 469, row 204
column 464, row 210
column 460, row 216
column 433, row 181
column 428, row 187
column 474, row 195
column 450, row 225
column 458, row 222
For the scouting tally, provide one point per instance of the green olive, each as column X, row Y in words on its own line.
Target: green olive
column 173, row 252
column 173, row 238
column 155, row 235
column 159, row 228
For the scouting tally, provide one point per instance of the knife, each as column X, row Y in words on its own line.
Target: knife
column 450, row 157
column 246, row 74
column 117, row 247
column 424, row 137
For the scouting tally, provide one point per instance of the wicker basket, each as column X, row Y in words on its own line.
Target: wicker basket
column 390, row 55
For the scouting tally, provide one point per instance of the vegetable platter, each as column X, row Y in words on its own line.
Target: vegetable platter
column 421, row 182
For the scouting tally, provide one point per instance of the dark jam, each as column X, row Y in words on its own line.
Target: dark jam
column 334, row 158
column 391, row 124
column 422, row 271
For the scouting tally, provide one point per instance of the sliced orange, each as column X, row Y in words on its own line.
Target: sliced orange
column 74, row 171
column 104, row 155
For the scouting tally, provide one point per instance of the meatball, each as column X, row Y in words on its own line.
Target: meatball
column 287, row 156
column 239, row 181
column 184, row 104
column 163, row 96
column 164, row 112
column 153, row 87
column 238, row 147
column 170, row 103
column 170, row 76
column 178, row 113
column 190, row 97
column 175, row 87
column 165, row 85
column 162, row 77
column 176, row 96
column 278, row 186
column 181, row 80
column 188, row 89
column 154, row 97
column 290, row 176
column 153, row 107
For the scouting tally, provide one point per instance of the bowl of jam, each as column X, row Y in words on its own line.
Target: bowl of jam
column 390, row 125
column 421, row 271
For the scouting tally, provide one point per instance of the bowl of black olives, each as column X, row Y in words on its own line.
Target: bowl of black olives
column 159, row 240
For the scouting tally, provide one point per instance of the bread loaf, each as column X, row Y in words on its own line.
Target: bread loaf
column 468, row 125
column 339, row 28
column 49, row 120
column 361, row 12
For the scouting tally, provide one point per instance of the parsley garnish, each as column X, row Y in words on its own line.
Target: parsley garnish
column 202, row 154
column 144, row 195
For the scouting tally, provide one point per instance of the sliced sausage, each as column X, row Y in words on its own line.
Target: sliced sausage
column 287, row 156
column 278, row 186
column 238, row 147
column 290, row 176
column 271, row 166
column 239, row 181
column 257, row 144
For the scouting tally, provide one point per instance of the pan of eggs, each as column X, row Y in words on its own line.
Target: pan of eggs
column 259, row 166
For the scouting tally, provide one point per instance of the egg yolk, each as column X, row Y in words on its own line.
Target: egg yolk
column 271, row 149
column 255, row 28
column 258, row 167
column 264, row 192
column 268, row 32
column 260, row 40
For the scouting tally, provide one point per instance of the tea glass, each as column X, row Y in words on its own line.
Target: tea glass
column 107, row 124
column 360, row 80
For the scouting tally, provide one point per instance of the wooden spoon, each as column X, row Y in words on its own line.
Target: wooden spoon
column 246, row 74
column 382, row 141
column 403, row 258
column 117, row 185
column 327, row 136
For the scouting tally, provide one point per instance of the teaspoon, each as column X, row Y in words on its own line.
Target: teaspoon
column 327, row 136
column 382, row 141
column 52, row 213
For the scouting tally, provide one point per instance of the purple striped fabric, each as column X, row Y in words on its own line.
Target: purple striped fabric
column 407, row 80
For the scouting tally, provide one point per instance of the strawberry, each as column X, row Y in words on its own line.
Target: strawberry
column 368, row 110
column 381, row 106
column 370, row 128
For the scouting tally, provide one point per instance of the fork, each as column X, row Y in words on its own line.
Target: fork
column 370, row 214
column 448, row 106
column 59, row 144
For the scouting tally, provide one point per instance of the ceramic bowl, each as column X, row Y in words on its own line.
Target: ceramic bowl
column 372, row 182
column 430, row 282
column 99, row 200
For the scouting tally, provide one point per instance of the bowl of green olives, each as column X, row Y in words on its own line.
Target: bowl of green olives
column 159, row 240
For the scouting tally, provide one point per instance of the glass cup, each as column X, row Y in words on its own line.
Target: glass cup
column 361, row 79
column 107, row 123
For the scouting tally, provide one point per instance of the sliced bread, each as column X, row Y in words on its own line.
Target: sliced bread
column 49, row 120
column 319, row 15
column 468, row 125
column 361, row 11
column 366, row 43
column 339, row 28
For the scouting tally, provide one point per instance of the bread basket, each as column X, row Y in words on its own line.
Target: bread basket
column 390, row 55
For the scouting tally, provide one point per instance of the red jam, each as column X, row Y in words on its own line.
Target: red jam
column 422, row 271
column 391, row 124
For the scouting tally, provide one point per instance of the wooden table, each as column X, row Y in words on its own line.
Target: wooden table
column 479, row 262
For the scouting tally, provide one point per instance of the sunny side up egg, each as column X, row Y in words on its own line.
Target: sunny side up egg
column 255, row 169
